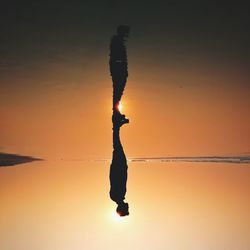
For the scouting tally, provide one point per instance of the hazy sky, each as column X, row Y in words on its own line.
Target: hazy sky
column 187, row 95
column 187, row 92
column 62, row 205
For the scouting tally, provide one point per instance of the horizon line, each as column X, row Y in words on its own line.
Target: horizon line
column 198, row 159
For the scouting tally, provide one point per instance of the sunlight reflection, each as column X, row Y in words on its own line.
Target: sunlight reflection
column 120, row 107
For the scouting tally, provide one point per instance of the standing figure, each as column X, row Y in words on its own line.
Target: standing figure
column 119, row 71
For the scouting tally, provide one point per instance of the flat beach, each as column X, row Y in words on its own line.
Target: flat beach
column 14, row 159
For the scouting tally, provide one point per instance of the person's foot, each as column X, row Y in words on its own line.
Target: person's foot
column 119, row 119
column 122, row 209
column 124, row 120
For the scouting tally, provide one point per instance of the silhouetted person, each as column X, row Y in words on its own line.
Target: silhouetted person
column 118, row 64
column 119, row 72
column 118, row 171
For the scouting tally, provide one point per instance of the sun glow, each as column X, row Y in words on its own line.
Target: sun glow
column 120, row 107
column 116, row 217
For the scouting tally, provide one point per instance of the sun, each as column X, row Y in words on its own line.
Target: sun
column 120, row 106
column 116, row 217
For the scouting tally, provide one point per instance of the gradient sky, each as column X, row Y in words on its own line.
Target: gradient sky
column 187, row 92
column 187, row 95
column 64, row 205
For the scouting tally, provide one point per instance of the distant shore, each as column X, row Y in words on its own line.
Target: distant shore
column 14, row 159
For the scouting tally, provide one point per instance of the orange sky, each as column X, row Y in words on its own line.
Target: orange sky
column 187, row 94
column 65, row 205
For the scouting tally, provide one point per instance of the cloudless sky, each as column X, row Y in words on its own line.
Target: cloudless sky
column 187, row 95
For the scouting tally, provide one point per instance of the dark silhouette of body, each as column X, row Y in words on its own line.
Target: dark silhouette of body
column 119, row 72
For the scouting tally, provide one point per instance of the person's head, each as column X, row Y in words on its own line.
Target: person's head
column 122, row 209
column 123, row 30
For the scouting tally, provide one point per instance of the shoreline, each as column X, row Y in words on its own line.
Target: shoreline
column 7, row 160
